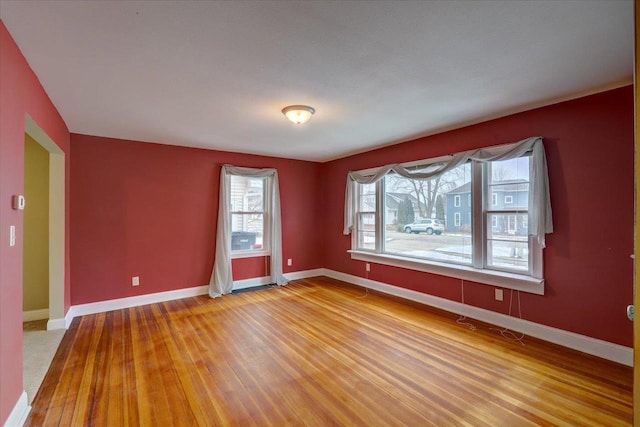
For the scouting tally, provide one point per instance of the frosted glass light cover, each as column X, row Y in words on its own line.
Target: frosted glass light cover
column 298, row 114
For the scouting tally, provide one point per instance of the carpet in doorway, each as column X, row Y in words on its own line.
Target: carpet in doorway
column 38, row 349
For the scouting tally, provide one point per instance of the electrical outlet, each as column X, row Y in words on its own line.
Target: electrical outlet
column 289, row 262
column 367, row 267
column 499, row 295
column 135, row 281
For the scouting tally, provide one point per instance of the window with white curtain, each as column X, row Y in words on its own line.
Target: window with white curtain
column 483, row 241
column 249, row 225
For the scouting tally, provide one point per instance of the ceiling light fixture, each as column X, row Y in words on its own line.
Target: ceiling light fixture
column 298, row 114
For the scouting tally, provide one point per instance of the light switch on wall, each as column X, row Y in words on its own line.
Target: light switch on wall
column 289, row 262
column 12, row 235
column 499, row 296
column 135, row 281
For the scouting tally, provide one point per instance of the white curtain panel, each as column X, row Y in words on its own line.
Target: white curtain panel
column 540, row 220
column 222, row 277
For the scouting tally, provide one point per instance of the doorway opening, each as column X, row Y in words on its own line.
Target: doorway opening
column 55, row 215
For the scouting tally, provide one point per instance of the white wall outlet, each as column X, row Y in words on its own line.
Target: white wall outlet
column 12, row 235
column 135, row 281
column 289, row 262
column 367, row 267
column 499, row 295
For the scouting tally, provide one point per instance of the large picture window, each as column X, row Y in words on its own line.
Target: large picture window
column 420, row 222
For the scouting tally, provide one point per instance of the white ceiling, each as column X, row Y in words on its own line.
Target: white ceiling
column 216, row 74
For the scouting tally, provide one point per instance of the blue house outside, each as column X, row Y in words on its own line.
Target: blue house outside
column 505, row 195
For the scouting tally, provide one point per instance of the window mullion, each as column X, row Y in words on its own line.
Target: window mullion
column 380, row 216
column 267, row 191
column 478, row 188
column 355, row 196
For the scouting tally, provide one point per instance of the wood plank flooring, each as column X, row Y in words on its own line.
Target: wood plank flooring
column 316, row 353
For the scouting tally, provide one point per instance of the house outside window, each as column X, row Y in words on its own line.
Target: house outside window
column 395, row 201
column 464, row 220
column 248, row 214
column 430, row 206
column 366, row 217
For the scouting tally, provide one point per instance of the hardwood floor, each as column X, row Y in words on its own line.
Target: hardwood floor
column 315, row 353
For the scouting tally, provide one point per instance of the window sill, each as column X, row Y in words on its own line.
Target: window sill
column 249, row 254
column 488, row 277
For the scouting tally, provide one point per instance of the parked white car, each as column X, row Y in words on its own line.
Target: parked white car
column 429, row 226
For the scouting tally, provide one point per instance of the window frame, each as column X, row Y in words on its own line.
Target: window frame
column 531, row 281
column 359, row 214
column 266, row 220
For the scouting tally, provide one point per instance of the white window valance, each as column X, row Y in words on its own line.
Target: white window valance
column 540, row 219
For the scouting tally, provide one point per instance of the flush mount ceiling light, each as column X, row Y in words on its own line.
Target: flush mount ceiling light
column 298, row 114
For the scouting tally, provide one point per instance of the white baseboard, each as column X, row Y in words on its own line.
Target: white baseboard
column 594, row 346
column 120, row 303
column 57, row 324
column 19, row 413
column 31, row 315
column 251, row 283
column 68, row 318
column 295, row 275
column 265, row 280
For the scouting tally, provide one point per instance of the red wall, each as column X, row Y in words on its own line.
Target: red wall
column 20, row 93
column 590, row 146
column 150, row 210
